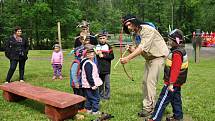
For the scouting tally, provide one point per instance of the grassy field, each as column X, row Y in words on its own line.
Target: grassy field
column 198, row 94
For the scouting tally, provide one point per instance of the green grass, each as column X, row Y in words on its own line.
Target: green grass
column 126, row 96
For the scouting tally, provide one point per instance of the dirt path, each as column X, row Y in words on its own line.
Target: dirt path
column 204, row 51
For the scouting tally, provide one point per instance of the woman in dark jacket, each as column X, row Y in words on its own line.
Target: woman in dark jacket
column 16, row 50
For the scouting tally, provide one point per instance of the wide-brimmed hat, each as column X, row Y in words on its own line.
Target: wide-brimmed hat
column 83, row 24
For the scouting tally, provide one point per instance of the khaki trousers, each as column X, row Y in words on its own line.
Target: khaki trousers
column 150, row 79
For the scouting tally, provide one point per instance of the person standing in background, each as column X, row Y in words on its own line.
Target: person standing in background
column 16, row 50
column 57, row 62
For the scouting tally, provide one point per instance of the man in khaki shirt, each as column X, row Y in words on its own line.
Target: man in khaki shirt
column 149, row 43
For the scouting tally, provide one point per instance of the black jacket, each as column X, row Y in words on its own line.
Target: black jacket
column 15, row 50
column 104, row 64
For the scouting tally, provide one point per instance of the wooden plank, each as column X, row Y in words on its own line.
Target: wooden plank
column 47, row 96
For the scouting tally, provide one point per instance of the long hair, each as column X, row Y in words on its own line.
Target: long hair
column 133, row 20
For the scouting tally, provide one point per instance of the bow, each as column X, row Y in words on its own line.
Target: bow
column 122, row 54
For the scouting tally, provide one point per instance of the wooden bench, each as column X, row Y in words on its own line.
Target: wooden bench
column 58, row 105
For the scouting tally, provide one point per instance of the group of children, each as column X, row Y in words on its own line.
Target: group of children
column 89, row 71
column 90, row 74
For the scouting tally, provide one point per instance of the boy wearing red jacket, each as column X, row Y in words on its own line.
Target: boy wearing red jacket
column 175, row 75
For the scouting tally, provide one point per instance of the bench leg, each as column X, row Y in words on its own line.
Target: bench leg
column 12, row 97
column 60, row 114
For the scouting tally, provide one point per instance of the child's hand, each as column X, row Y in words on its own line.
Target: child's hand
column 97, row 52
column 94, row 87
column 170, row 88
column 76, row 85
column 101, row 55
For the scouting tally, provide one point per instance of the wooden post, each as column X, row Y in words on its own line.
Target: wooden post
column 59, row 34
column 197, row 53
column 197, row 41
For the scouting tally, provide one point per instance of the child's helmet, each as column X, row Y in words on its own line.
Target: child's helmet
column 177, row 36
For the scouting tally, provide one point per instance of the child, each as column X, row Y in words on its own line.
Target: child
column 104, row 57
column 90, row 81
column 57, row 61
column 175, row 75
column 75, row 71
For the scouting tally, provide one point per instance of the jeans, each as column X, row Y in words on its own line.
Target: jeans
column 13, row 64
column 92, row 102
column 104, row 89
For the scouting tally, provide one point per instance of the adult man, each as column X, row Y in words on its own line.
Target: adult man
column 149, row 43
column 84, row 26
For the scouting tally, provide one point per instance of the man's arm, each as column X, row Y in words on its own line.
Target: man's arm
column 135, row 53
column 130, row 48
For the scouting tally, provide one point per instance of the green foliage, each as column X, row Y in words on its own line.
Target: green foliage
column 126, row 95
column 39, row 18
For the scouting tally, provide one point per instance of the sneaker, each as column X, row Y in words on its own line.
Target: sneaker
column 88, row 111
column 54, row 77
column 21, row 81
column 6, row 82
column 82, row 110
column 144, row 113
column 60, row 77
column 171, row 118
column 96, row 113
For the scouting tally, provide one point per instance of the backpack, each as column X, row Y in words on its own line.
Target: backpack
column 75, row 71
column 150, row 24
